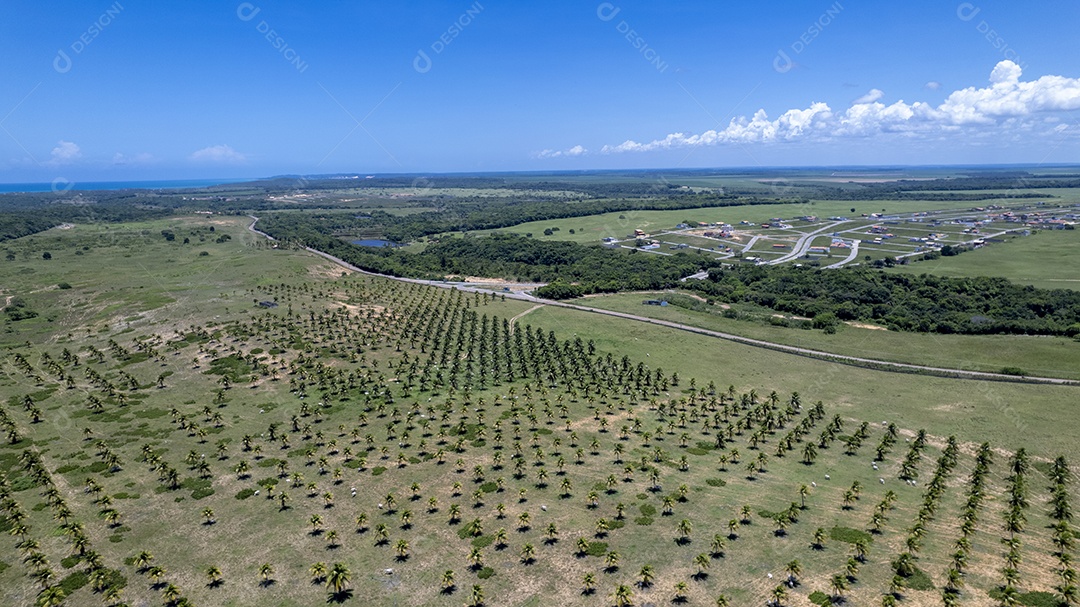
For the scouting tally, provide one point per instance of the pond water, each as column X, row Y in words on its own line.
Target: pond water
column 375, row 242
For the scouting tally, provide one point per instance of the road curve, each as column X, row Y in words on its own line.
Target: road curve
column 851, row 255
column 803, row 243
column 857, row 361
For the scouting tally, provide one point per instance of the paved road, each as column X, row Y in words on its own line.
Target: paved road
column 751, row 244
column 803, row 243
column 853, row 360
column 851, row 255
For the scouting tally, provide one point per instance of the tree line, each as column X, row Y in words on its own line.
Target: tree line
column 903, row 302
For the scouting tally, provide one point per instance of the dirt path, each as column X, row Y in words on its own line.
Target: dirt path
column 514, row 319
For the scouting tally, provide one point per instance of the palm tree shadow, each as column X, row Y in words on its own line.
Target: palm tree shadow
column 339, row 597
column 267, row 582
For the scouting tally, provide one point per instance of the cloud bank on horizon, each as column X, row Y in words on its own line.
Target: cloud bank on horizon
column 1006, row 102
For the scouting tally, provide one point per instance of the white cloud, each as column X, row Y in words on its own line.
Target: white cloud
column 1008, row 103
column 64, row 153
column 870, row 97
column 933, row 85
column 223, row 154
column 577, row 150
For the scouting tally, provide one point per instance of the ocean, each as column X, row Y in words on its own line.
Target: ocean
column 63, row 186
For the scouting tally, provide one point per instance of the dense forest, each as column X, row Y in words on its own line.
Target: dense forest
column 902, row 302
column 31, row 219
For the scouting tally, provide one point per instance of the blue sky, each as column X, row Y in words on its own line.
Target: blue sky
column 98, row 90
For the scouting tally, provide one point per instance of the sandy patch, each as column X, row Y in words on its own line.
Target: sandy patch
column 863, row 325
column 791, row 317
column 328, row 270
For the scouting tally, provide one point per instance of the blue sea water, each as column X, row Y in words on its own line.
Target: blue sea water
column 63, row 186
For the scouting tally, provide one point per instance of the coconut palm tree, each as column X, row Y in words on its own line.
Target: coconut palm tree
column 646, row 576
column 318, row 573
column 703, row 562
column 155, row 573
column 213, row 576
column 337, row 579
column 685, row 527
column 680, row 592
column 793, row 570
column 52, row 596
column 779, row 594
column 623, row 595
column 476, row 557
column 588, row 582
column 528, row 553
column 552, row 533
column 448, row 581
column 611, row 561
column 839, row 585
column 171, row 594
column 266, row 572
column 476, row 597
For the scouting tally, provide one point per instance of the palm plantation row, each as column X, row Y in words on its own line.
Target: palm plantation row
column 381, row 441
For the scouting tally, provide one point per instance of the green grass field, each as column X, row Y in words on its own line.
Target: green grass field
column 1010, row 415
column 179, row 397
column 1047, row 259
column 1036, row 355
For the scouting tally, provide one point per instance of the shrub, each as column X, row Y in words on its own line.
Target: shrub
column 483, row 541
column 849, row 535
column 597, row 549
column 919, row 580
